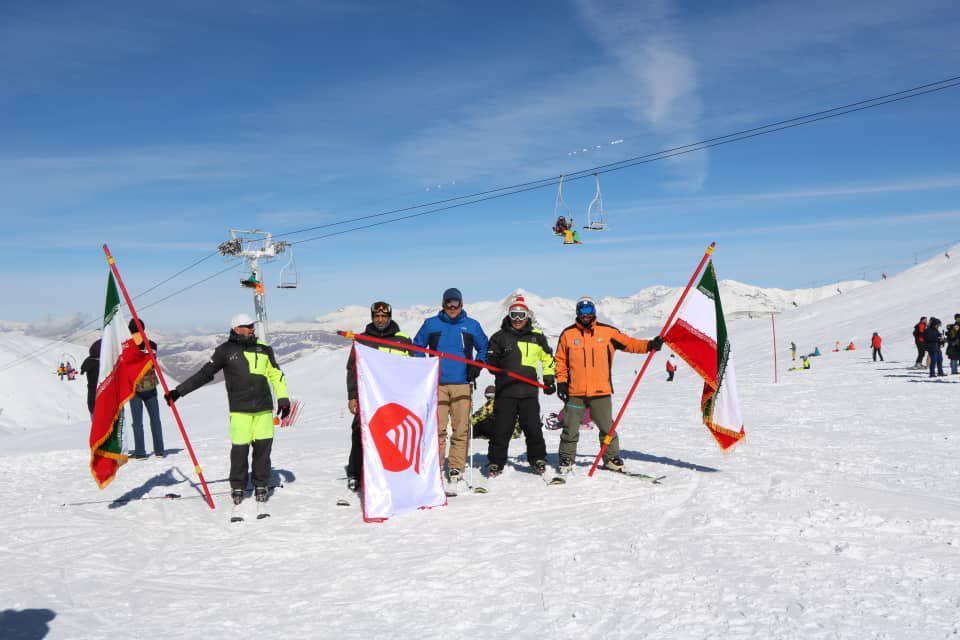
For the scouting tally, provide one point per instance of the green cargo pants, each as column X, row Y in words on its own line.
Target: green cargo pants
column 601, row 412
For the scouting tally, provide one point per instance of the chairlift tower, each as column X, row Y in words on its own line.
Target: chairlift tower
column 255, row 247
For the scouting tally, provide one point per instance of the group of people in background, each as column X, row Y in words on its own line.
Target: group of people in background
column 578, row 370
column 930, row 337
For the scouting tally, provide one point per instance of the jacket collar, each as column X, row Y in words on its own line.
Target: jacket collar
column 391, row 329
column 459, row 319
column 586, row 329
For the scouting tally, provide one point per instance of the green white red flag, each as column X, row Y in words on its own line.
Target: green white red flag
column 699, row 336
column 122, row 364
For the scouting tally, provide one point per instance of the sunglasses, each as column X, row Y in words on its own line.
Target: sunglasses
column 518, row 315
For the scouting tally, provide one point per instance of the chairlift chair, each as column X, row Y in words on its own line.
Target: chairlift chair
column 560, row 208
column 596, row 215
column 289, row 278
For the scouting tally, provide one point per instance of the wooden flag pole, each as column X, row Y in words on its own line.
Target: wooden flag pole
column 613, row 429
column 156, row 367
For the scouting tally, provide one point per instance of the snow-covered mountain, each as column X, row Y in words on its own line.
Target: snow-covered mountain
column 640, row 313
column 644, row 311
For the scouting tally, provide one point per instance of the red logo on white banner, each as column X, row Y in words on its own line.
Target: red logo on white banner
column 398, row 434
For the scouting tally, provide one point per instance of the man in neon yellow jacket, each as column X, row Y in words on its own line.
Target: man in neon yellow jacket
column 249, row 372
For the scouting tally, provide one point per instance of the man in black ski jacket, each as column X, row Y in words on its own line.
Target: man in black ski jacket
column 520, row 348
column 249, row 371
column 381, row 326
column 90, row 367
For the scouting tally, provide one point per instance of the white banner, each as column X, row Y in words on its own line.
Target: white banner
column 398, row 422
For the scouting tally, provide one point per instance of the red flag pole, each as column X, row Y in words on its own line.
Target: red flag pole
column 412, row 347
column 609, row 437
column 773, row 324
column 156, row 367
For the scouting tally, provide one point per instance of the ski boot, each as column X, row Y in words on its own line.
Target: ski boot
column 260, row 494
column 493, row 470
column 539, row 467
column 613, row 464
column 353, row 483
column 237, row 495
column 565, row 467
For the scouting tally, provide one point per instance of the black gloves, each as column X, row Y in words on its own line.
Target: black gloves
column 563, row 390
column 655, row 344
column 550, row 384
column 473, row 371
column 172, row 396
column 283, row 407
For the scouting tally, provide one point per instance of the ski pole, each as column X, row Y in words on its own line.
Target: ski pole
column 156, row 367
column 613, row 429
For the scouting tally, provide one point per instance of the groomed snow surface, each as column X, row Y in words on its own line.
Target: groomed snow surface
column 837, row 517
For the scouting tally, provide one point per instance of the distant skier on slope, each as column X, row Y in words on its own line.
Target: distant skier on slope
column 520, row 348
column 381, row 326
column 876, row 342
column 671, row 367
column 933, row 340
column 250, row 370
column 953, row 344
column 918, row 330
column 584, row 357
column 793, row 351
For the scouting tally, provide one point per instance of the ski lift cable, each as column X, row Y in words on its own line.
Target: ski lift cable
column 576, row 175
column 625, row 164
column 92, row 328
column 499, row 192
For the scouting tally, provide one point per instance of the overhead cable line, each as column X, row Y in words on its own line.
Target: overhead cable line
column 663, row 154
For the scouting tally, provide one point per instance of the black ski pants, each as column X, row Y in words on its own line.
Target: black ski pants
column 261, row 464
column 508, row 410
column 670, row 376
column 876, row 354
column 921, row 352
column 355, row 461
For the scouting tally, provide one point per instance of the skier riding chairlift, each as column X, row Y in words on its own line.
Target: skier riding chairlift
column 564, row 216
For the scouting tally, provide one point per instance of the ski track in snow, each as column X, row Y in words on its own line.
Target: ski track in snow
column 837, row 517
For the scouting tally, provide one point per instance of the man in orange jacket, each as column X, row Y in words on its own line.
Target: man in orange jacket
column 584, row 357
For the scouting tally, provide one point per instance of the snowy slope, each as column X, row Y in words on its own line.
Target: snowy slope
column 32, row 395
column 837, row 517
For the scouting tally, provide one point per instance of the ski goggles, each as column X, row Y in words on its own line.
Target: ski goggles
column 519, row 314
column 586, row 309
column 382, row 308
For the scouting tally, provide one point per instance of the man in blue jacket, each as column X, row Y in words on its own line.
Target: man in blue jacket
column 451, row 331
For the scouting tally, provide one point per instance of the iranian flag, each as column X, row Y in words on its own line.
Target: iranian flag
column 699, row 336
column 398, row 426
column 122, row 364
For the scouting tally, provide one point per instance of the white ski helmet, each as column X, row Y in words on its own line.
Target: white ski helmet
column 241, row 320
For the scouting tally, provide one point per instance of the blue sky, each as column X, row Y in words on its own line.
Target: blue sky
column 155, row 128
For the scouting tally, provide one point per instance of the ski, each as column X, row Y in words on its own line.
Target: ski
column 262, row 511
column 342, row 502
column 555, row 480
column 637, row 475
column 236, row 515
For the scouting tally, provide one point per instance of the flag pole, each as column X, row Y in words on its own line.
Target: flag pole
column 613, row 429
column 156, row 367
column 350, row 335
